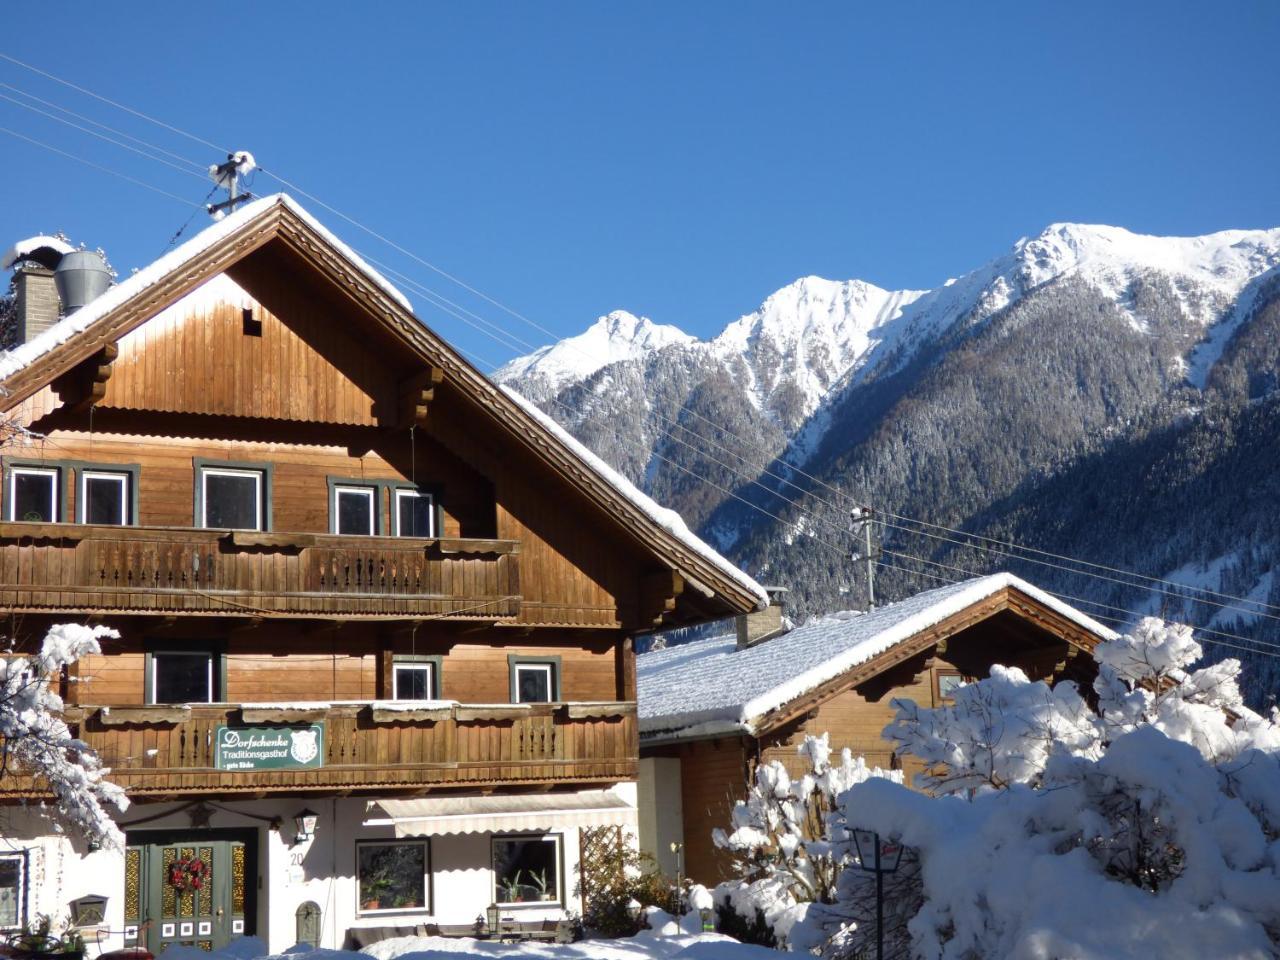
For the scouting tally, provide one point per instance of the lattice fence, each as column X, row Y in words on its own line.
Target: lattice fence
column 597, row 860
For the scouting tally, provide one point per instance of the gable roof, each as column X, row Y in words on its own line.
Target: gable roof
column 31, row 366
column 709, row 687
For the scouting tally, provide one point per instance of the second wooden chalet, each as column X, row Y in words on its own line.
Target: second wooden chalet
column 376, row 614
column 710, row 711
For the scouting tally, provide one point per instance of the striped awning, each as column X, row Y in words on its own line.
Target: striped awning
column 434, row 816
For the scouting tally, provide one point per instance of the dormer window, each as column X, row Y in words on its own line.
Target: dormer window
column 32, row 494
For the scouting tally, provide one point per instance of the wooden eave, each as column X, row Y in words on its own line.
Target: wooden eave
column 279, row 223
column 1007, row 598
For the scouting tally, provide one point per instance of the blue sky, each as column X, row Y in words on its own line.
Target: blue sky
column 677, row 160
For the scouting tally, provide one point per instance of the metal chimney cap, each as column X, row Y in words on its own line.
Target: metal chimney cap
column 82, row 276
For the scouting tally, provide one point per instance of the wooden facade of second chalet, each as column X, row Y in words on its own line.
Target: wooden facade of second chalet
column 299, row 507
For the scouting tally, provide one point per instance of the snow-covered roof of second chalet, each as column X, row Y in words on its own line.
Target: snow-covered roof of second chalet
column 25, row 354
column 710, row 687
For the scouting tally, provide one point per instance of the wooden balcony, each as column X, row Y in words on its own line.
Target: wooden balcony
column 169, row 570
column 170, row 751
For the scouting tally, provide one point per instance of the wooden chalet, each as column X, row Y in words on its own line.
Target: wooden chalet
column 376, row 614
column 712, row 710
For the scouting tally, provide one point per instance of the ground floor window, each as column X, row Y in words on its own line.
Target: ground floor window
column 526, row 869
column 392, row 875
column 13, row 890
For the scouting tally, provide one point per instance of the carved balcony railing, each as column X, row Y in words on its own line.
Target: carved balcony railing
column 173, row 750
column 72, row 567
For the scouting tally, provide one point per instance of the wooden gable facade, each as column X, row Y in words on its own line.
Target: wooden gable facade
column 700, row 777
column 271, row 360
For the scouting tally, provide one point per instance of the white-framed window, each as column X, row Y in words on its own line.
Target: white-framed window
column 393, row 875
column 415, row 513
column 105, row 497
column 33, row 494
column 413, row 680
column 355, row 510
column 13, row 890
column 527, row 869
column 533, row 682
column 183, row 677
column 232, row 498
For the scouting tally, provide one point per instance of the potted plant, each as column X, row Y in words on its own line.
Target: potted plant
column 372, row 890
column 39, row 942
column 540, row 880
column 511, row 889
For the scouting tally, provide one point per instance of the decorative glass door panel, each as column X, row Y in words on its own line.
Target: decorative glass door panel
column 192, row 892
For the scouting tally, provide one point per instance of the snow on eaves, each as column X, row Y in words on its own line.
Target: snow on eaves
column 709, row 687
column 669, row 520
column 24, row 248
column 62, row 331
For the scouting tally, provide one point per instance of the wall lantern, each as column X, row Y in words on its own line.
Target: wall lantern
column 305, row 821
column 494, row 916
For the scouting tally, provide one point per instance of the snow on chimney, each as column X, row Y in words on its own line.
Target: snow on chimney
column 760, row 626
column 36, row 305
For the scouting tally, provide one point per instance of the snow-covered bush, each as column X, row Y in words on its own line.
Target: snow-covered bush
column 1149, row 827
column 35, row 741
column 788, row 848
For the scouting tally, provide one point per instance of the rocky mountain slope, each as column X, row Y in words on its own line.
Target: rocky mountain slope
column 1091, row 392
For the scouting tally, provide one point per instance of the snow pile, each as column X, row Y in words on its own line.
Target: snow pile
column 25, row 248
column 787, row 839
column 669, row 520
column 646, row 945
column 709, row 686
column 36, row 741
column 1149, row 828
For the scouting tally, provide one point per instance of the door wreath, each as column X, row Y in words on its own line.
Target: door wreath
column 188, row 874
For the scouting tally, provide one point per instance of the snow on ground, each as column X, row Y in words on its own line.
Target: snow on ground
column 647, row 945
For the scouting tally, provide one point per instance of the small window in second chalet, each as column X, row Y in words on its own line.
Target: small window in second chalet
column 949, row 681
column 104, row 496
column 33, row 494
column 232, row 499
column 355, row 510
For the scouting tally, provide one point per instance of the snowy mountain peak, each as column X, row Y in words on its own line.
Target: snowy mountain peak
column 619, row 335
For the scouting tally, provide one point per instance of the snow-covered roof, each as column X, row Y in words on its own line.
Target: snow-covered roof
column 666, row 518
column 710, row 687
column 25, row 248
column 19, row 357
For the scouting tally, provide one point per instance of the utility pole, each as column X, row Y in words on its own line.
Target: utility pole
column 227, row 175
column 860, row 522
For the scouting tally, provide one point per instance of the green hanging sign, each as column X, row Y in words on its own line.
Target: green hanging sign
column 269, row 748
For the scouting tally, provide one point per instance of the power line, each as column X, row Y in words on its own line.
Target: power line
column 98, row 166
column 120, row 133
column 118, row 106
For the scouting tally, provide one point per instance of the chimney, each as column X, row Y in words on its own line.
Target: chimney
column 36, row 304
column 762, row 625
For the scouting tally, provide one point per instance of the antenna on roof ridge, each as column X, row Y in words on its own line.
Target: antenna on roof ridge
column 227, row 176
column 860, row 523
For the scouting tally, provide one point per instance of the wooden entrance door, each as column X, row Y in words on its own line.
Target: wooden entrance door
column 195, row 890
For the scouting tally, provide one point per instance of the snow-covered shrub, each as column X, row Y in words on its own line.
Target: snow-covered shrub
column 36, row 742
column 1149, row 827
column 787, row 838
